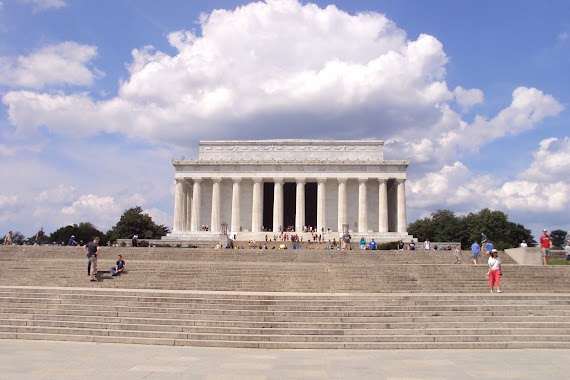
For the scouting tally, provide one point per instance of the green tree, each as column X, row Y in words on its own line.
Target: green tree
column 441, row 226
column 18, row 238
column 558, row 238
column 83, row 233
column 135, row 222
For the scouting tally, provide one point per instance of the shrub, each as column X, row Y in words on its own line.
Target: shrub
column 391, row 245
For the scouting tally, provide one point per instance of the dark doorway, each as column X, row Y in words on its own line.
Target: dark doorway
column 289, row 201
column 268, row 205
column 311, row 204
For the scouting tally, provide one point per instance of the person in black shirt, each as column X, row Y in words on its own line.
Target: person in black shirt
column 40, row 236
column 120, row 267
column 92, row 249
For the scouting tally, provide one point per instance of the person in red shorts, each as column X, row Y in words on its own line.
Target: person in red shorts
column 545, row 245
column 494, row 270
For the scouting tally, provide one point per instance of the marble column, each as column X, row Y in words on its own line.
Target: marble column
column 362, row 206
column 321, row 209
column 196, row 204
column 277, row 204
column 341, row 203
column 402, row 223
column 188, row 204
column 383, row 206
column 215, row 220
column 236, row 205
column 300, row 205
column 179, row 196
column 257, row 206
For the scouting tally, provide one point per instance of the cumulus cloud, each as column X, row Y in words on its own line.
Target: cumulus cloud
column 468, row 98
column 261, row 68
column 65, row 63
column 528, row 108
column 540, row 188
column 279, row 65
column 551, row 162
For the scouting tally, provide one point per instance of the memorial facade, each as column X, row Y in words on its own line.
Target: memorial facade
column 254, row 186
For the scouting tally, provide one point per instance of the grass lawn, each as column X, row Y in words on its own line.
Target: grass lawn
column 557, row 261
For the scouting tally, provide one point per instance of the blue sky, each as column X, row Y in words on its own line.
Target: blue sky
column 98, row 96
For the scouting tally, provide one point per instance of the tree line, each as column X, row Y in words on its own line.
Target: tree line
column 133, row 222
column 445, row 226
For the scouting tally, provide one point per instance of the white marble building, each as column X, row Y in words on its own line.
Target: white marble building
column 270, row 185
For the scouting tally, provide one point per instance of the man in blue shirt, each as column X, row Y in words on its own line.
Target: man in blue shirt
column 372, row 245
column 489, row 247
column 475, row 249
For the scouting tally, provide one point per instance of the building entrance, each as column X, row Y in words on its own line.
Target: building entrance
column 289, row 201
column 268, row 188
column 311, row 204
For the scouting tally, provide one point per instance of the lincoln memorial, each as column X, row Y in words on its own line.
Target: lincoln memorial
column 247, row 188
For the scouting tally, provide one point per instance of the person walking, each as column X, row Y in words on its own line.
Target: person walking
column 40, row 236
column 545, row 245
column 484, row 241
column 475, row 250
column 8, row 239
column 458, row 254
column 488, row 247
column 494, row 270
column 92, row 249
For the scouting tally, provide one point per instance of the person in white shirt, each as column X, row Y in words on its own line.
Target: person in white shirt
column 494, row 270
column 524, row 244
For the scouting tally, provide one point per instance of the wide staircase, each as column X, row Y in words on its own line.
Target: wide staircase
column 281, row 299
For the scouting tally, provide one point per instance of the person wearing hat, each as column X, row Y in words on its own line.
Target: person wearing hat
column 72, row 241
column 545, row 245
column 494, row 270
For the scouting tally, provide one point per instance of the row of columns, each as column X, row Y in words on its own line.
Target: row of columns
column 184, row 221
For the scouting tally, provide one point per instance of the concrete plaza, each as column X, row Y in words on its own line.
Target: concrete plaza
column 21, row 359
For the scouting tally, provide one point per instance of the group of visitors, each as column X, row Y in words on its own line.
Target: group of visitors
column 494, row 261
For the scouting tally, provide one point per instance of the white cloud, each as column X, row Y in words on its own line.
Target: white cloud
column 468, row 98
column 40, row 5
column 237, row 75
column 551, row 162
column 528, row 108
column 542, row 188
column 64, row 63
column 36, row 188
column 563, row 36
column 8, row 200
column 236, row 79
column 59, row 194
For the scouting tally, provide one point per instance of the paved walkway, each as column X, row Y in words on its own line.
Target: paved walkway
column 20, row 359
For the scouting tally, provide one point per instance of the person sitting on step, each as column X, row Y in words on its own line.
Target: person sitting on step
column 119, row 267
